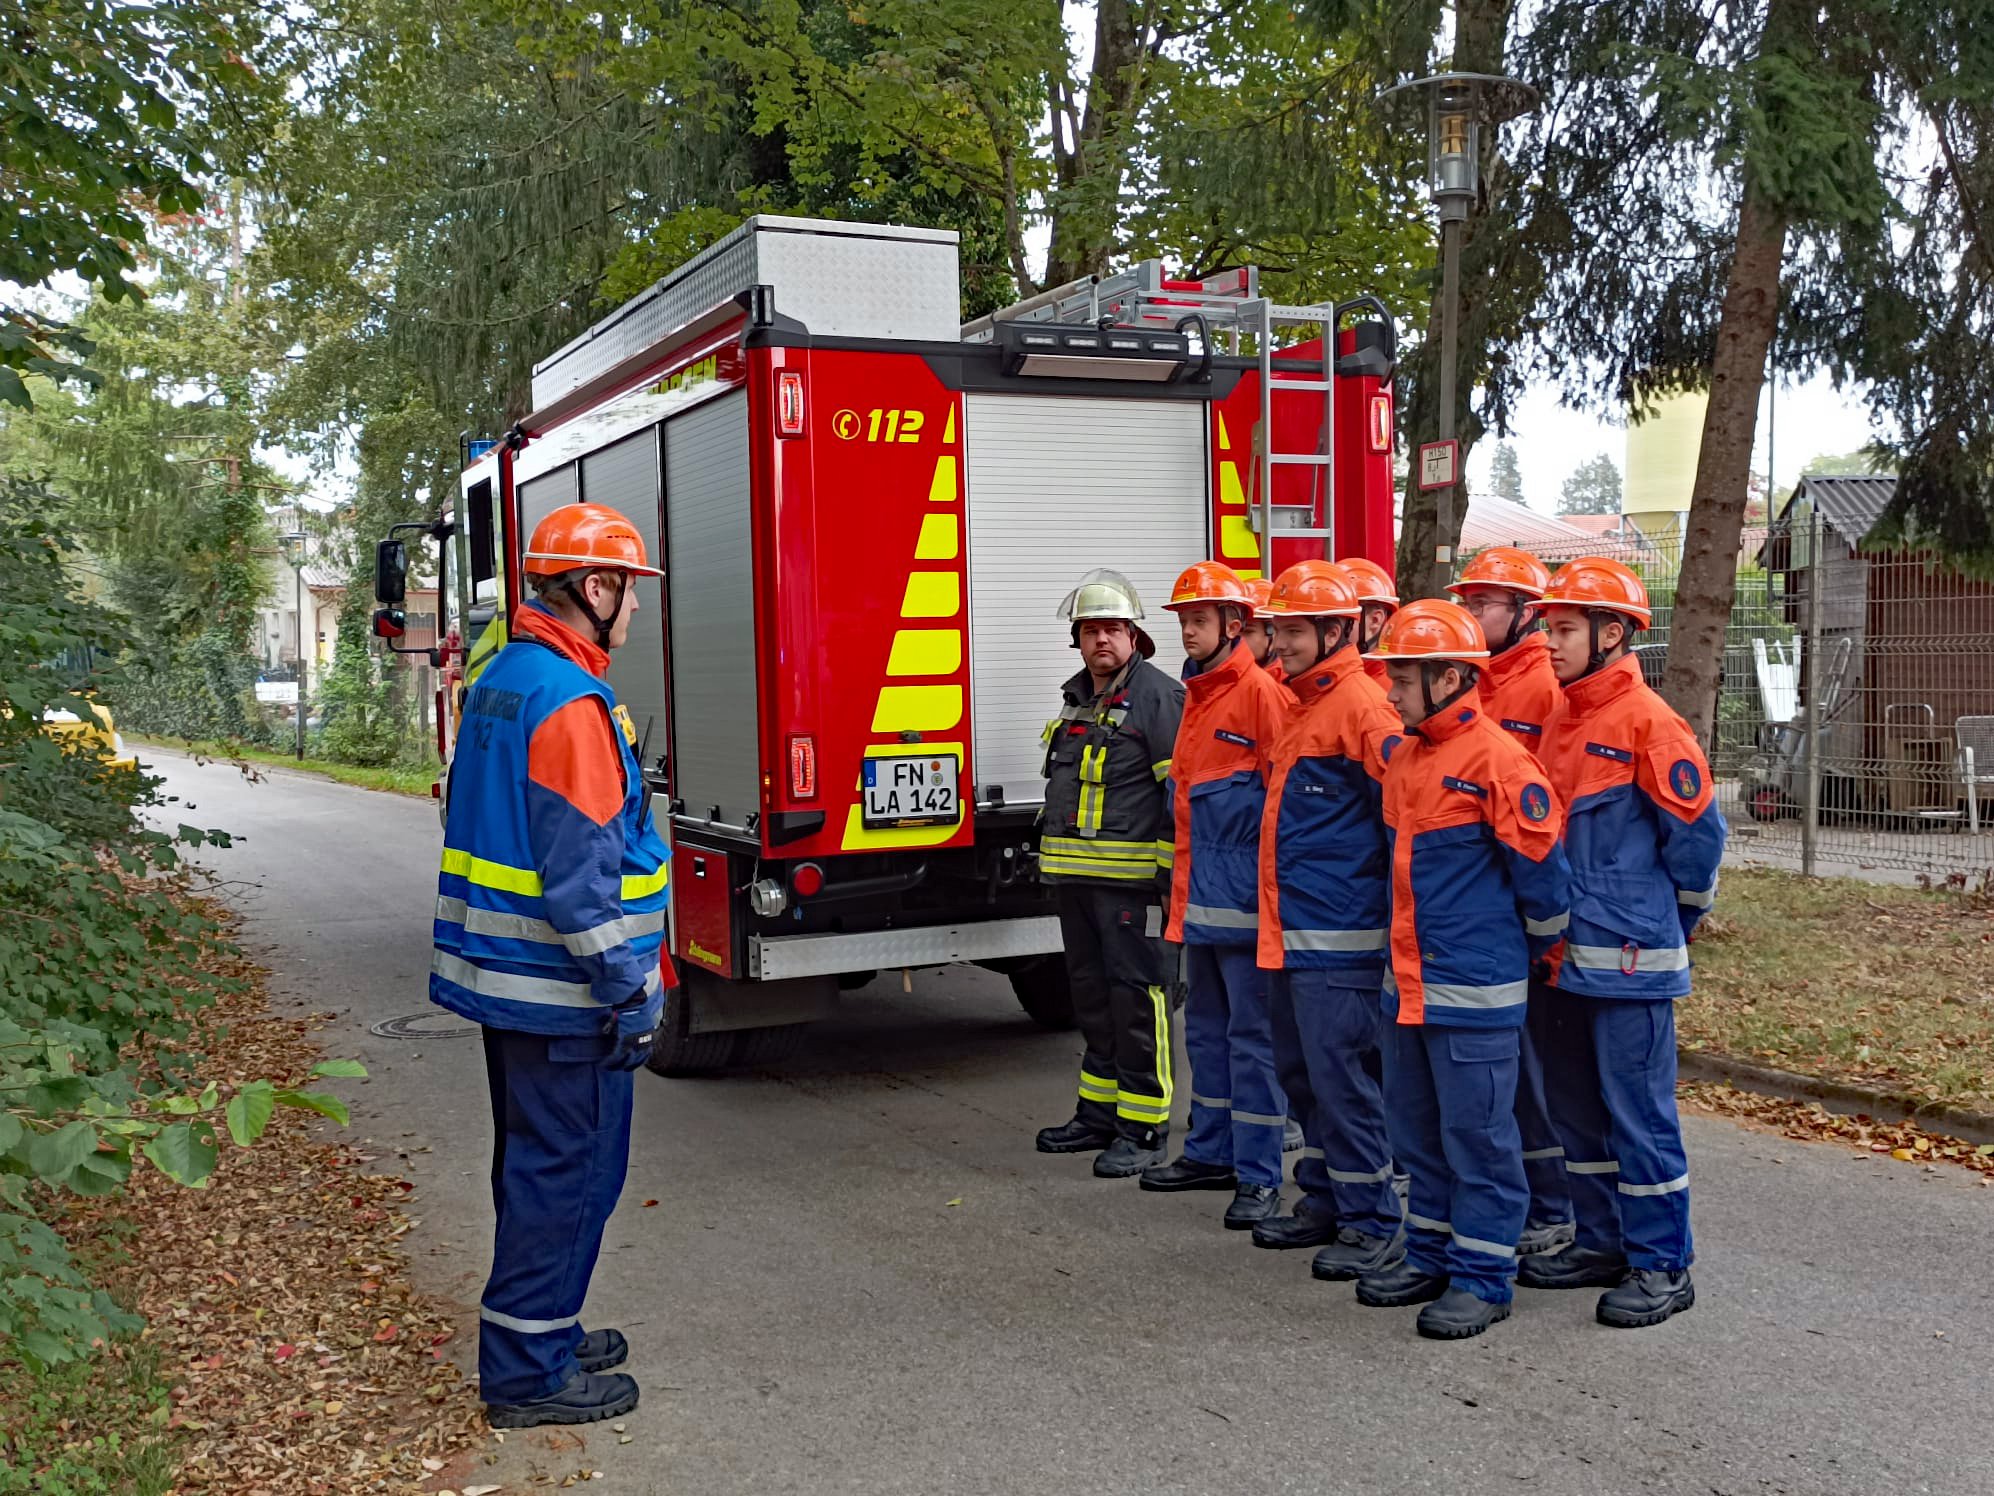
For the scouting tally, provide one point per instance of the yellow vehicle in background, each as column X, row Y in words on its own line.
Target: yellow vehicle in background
column 72, row 731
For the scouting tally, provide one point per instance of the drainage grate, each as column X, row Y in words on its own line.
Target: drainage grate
column 431, row 1025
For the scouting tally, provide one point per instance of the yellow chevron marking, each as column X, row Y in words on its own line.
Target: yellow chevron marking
column 942, row 490
column 917, row 709
column 925, row 652
column 932, row 594
column 941, row 536
column 1225, row 436
column 948, row 431
column 1230, row 492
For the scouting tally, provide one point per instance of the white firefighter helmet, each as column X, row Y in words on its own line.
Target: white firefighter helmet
column 1103, row 593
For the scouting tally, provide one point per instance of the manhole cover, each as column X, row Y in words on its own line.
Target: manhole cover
column 430, row 1025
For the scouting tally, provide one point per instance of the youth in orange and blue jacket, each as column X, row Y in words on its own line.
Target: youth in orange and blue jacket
column 550, row 920
column 1480, row 887
column 1645, row 838
column 1324, row 872
column 1232, row 713
column 1519, row 691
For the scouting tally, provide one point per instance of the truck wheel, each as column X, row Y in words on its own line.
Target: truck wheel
column 674, row 1051
column 1043, row 992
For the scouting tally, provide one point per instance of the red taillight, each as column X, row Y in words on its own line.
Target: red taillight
column 789, row 402
column 802, row 767
column 1381, row 423
column 442, row 726
column 808, row 879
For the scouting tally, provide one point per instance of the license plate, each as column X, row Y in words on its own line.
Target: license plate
column 911, row 791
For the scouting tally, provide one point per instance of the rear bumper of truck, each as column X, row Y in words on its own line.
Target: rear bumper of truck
column 777, row 957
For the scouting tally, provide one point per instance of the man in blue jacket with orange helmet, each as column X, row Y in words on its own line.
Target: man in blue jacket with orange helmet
column 1645, row 839
column 1232, row 711
column 1479, row 886
column 1323, row 875
column 550, row 921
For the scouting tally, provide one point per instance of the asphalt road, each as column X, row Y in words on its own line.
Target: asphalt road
column 859, row 1277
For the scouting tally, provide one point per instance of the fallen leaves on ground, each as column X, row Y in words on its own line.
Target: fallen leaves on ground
column 1906, row 1142
column 1886, row 987
column 299, row 1359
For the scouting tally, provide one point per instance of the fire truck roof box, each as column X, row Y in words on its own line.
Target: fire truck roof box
column 850, row 280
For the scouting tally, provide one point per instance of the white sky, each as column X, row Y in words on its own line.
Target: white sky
column 1806, row 419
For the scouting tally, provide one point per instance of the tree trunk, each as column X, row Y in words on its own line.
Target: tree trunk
column 1088, row 182
column 1709, row 579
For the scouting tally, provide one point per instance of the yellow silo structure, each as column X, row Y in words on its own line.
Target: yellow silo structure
column 1660, row 471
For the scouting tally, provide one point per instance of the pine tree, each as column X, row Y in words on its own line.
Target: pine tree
column 1505, row 477
column 1593, row 488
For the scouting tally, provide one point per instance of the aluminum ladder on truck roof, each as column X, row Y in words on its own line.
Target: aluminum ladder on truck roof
column 1230, row 302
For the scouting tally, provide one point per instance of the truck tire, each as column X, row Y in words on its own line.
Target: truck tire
column 1043, row 993
column 678, row 1053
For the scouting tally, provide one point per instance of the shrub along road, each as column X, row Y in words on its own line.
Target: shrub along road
column 857, row 1276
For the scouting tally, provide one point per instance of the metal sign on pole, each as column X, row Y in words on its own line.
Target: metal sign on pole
column 1439, row 464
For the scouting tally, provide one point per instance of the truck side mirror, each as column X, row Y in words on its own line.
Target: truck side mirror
column 390, row 572
column 390, row 623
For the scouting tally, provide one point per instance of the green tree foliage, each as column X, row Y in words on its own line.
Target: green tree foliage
column 100, row 971
column 1505, row 476
column 1592, row 488
column 108, row 121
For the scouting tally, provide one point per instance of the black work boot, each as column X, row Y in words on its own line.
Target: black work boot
column 1542, row 1241
column 1647, row 1297
column 1399, row 1285
column 585, row 1399
column 1311, row 1225
column 1459, row 1315
column 1077, row 1136
column 1127, row 1157
column 1292, row 1140
column 1189, row 1174
column 602, row 1349
column 1353, row 1254
column 1575, row 1267
column 1252, row 1204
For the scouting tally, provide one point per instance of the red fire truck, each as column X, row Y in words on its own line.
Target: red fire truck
column 867, row 514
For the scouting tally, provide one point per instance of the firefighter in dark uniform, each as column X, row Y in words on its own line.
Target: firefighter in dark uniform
column 1105, row 840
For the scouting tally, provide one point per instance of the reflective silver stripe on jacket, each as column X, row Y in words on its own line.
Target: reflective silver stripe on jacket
column 1227, row 919
column 1333, row 940
column 1614, row 958
column 513, row 987
column 1553, row 926
column 1697, row 898
column 591, row 942
column 1454, row 995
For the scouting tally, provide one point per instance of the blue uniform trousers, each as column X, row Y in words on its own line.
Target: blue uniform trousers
column 1612, row 1068
column 1543, row 1153
column 1237, row 1110
column 561, row 1144
column 1450, row 1103
column 1327, row 1058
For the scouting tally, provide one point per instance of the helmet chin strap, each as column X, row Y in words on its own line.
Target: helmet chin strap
column 577, row 593
column 1429, row 671
column 1519, row 626
column 1227, row 642
column 1596, row 661
column 1323, row 648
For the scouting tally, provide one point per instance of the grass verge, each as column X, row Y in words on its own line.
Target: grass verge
column 1880, row 986
column 91, row 1428
column 393, row 779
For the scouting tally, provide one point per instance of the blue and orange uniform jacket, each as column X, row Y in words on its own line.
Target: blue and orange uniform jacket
column 1643, row 832
column 1324, row 870
column 551, row 904
column 1480, row 885
column 1519, row 690
column 1218, row 789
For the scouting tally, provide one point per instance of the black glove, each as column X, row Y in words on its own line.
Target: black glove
column 630, row 1033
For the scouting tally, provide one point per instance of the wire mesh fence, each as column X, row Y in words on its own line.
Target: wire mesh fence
column 1854, row 730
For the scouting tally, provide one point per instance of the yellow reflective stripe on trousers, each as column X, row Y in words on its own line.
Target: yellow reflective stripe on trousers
column 1155, row 1109
column 485, row 874
column 1095, row 1088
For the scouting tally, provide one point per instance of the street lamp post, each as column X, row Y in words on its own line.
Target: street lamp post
column 1458, row 106
column 296, row 539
